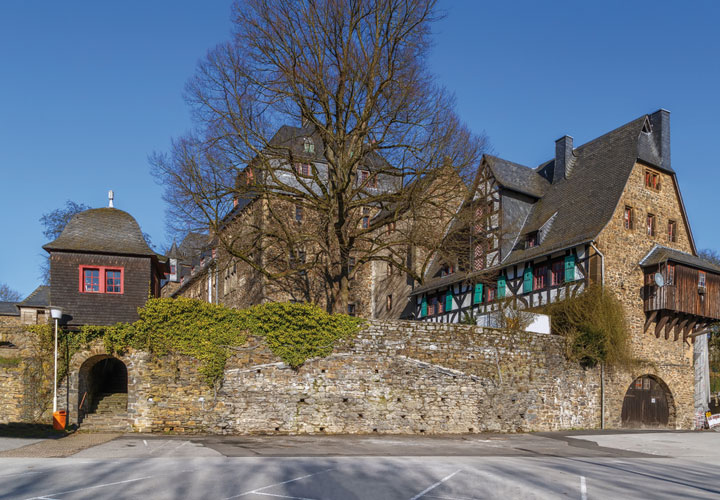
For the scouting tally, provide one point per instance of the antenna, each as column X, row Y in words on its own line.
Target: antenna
column 111, row 197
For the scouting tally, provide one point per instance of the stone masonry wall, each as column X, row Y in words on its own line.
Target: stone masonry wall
column 671, row 361
column 395, row 377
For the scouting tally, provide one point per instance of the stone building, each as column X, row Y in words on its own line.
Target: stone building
column 296, row 157
column 611, row 212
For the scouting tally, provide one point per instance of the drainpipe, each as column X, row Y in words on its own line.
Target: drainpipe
column 602, row 365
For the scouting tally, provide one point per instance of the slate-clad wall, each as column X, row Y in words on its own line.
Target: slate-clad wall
column 395, row 377
column 96, row 308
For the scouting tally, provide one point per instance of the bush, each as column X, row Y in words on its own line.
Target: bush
column 594, row 326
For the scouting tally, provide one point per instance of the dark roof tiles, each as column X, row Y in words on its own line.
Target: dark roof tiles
column 660, row 254
column 39, row 298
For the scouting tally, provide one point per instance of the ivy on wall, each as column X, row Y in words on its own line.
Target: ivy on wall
column 210, row 332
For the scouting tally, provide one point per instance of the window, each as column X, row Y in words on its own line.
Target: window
column 303, row 169
column 391, row 227
column 388, row 302
column 249, row 176
column 628, row 218
column 308, row 145
column 351, row 309
column 672, row 231
column 650, row 225
column 701, row 279
column 351, row 266
column 366, row 218
column 491, row 293
column 670, row 275
column 91, row 280
column 296, row 259
column 299, row 211
column 652, row 180
column 540, row 278
column 558, row 273
column 447, row 270
column 389, row 269
column 173, row 269
column 364, row 178
column 101, row 279
column 532, row 240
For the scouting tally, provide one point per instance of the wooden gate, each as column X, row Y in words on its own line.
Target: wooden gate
column 645, row 404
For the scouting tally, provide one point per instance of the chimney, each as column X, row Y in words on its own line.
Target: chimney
column 563, row 158
column 111, row 198
column 660, row 121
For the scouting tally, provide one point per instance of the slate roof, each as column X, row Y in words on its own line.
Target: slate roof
column 39, row 298
column 582, row 204
column 660, row 254
column 9, row 309
column 102, row 230
column 517, row 177
column 192, row 245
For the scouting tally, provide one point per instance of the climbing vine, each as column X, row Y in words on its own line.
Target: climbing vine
column 210, row 332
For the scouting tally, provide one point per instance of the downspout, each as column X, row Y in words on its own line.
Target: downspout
column 602, row 365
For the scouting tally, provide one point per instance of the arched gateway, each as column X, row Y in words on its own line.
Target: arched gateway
column 102, row 392
column 648, row 403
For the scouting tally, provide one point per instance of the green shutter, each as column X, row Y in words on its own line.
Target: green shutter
column 448, row 300
column 477, row 297
column 423, row 307
column 569, row 268
column 528, row 280
column 501, row 287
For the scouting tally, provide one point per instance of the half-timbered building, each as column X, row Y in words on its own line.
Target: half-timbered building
column 609, row 211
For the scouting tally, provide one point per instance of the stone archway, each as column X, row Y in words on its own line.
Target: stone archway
column 102, row 389
column 648, row 402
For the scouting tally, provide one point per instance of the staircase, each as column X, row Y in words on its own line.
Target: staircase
column 109, row 413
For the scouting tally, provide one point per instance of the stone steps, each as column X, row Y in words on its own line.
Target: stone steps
column 108, row 414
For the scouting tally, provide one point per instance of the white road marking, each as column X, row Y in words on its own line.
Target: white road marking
column 19, row 474
column 432, row 487
column 258, row 490
column 451, row 498
column 91, row 487
column 145, row 442
column 284, row 496
column 165, row 443
column 583, row 488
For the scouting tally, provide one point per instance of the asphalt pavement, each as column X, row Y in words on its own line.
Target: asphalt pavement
column 548, row 465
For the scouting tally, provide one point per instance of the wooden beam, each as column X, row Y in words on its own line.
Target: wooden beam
column 649, row 320
column 670, row 325
column 664, row 317
column 690, row 327
column 680, row 326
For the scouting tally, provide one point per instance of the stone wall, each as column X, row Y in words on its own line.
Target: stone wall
column 623, row 249
column 394, row 377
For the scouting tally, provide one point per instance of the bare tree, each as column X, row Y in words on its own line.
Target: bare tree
column 7, row 294
column 353, row 74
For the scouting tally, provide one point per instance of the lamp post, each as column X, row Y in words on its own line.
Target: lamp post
column 56, row 314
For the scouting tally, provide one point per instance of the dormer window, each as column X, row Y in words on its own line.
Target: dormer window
column 308, row 145
column 447, row 270
column 647, row 127
column 364, row 178
column 532, row 240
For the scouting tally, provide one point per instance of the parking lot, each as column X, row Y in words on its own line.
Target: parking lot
column 379, row 467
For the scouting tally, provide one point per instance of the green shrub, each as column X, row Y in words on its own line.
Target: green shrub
column 594, row 326
column 10, row 362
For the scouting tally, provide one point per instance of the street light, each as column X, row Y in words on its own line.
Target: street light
column 56, row 314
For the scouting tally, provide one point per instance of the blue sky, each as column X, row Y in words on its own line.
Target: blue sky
column 89, row 89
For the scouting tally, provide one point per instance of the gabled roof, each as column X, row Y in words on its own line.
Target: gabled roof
column 9, row 309
column 586, row 200
column 39, row 298
column 517, row 177
column 102, row 230
column 660, row 254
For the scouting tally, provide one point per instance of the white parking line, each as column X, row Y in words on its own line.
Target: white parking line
column 583, row 488
column 432, row 487
column 258, row 490
column 90, row 488
column 284, row 496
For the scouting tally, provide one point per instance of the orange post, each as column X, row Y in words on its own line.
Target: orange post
column 59, row 420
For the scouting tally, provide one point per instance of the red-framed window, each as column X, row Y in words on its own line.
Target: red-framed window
column 490, row 293
column 650, row 225
column 558, row 273
column 540, row 277
column 628, row 219
column 672, row 231
column 303, row 169
column 670, row 278
column 102, row 279
column 652, row 180
column 364, row 178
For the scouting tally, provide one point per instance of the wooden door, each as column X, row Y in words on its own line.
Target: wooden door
column 645, row 404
